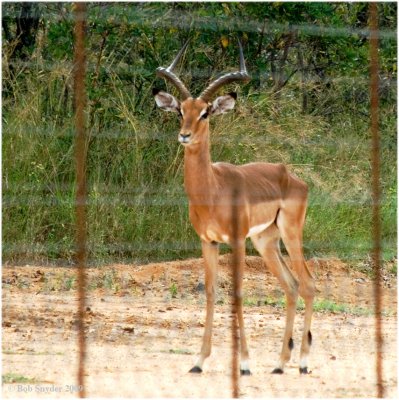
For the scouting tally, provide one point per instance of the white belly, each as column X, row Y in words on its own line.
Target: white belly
column 255, row 230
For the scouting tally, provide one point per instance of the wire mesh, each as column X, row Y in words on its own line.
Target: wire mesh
column 143, row 323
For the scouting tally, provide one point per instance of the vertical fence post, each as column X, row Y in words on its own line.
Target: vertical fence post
column 376, row 190
column 80, row 205
column 235, row 297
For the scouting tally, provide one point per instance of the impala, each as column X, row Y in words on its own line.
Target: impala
column 270, row 203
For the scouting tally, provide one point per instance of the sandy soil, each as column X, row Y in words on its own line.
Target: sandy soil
column 145, row 324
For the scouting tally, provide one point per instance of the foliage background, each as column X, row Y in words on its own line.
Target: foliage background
column 307, row 105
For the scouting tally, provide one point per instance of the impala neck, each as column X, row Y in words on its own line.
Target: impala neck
column 198, row 174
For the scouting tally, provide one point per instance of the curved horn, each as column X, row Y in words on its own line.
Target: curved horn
column 240, row 76
column 167, row 73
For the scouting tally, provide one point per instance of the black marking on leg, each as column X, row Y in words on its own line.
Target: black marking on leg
column 214, row 243
column 277, row 371
column 290, row 344
column 304, row 371
column 310, row 338
column 244, row 372
column 195, row 370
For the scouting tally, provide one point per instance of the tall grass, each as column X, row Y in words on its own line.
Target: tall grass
column 137, row 209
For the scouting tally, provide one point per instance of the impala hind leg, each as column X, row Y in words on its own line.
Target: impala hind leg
column 291, row 227
column 210, row 252
column 267, row 244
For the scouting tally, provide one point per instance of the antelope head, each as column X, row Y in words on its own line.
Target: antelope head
column 195, row 112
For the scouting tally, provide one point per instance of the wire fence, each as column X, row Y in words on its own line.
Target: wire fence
column 130, row 374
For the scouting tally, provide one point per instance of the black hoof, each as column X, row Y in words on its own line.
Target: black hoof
column 245, row 372
column 304, row 371
column 195, row 370
column 277, row 371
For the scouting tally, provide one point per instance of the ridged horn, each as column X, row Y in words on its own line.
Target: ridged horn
column 168, row 74
column 239, row 76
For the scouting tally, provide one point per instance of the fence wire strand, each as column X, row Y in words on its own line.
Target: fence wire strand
column 81, row 190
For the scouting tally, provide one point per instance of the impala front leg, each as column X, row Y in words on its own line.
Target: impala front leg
column 210, row 252
column 244, row 364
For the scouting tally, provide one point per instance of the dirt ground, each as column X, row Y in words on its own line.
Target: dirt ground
column 145, row 324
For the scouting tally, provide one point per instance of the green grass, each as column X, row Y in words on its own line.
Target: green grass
column 325, row 305
column 173, row 290
column 180, row 351
column 59, row 282
column 319, row 305
column 16, row 378
column 137, row 208
column 32, row 353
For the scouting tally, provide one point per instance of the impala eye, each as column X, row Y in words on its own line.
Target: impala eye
column 204, row 116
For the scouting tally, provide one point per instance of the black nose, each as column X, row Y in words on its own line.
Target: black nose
column 184, row 137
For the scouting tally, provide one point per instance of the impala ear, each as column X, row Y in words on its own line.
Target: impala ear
column 166, row 101
column 223, row 104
